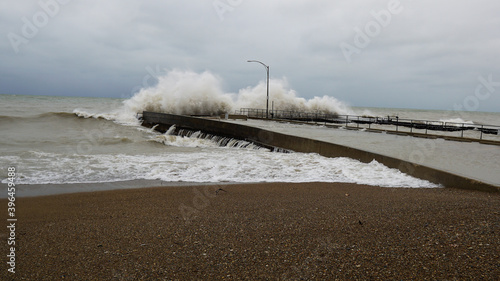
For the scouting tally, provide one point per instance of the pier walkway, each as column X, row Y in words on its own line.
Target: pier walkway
column 452, row 164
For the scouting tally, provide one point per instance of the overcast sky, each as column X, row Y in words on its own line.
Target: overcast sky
column 381, row 53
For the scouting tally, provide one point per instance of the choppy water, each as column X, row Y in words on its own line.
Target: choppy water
column 62, row 140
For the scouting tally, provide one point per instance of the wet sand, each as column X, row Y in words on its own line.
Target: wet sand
column 279, row 231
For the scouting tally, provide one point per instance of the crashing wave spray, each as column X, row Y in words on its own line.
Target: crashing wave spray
column 286, row 99
column 191, row 93
column 183, row 92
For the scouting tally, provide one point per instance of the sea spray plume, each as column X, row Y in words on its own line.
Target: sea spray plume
column 183, row 92
column 190, row 93
column 327, row 104
column 286, row 99
column 279, row 93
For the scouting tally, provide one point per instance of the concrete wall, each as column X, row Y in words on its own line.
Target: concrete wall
column 299, row 144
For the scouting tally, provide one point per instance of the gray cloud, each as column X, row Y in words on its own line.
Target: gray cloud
column 429, row 55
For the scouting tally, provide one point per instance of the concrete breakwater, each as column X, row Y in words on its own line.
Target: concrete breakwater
column 300, row 144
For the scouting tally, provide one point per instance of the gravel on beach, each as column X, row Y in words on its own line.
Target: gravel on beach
column 265, row 231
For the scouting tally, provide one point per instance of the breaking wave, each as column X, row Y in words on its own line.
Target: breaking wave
column 456, row 121
column 191, row 93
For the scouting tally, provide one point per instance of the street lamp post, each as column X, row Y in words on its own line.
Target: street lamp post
column 267, row 101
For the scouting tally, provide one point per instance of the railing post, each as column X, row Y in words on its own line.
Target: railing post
column 481, row 136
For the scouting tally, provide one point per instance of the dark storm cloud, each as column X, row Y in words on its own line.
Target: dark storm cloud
column 423, row 54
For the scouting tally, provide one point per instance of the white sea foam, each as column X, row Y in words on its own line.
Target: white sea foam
column 210, row 165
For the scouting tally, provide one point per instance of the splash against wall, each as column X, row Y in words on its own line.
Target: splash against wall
column 188, row 92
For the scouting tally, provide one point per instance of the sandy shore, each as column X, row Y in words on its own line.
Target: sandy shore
column 313, row 231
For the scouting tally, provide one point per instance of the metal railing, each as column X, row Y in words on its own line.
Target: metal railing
column 389, row 123
column 286, row 114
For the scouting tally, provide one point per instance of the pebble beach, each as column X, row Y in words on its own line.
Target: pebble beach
column 271, row 231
